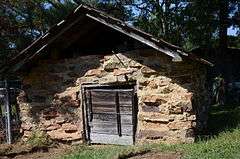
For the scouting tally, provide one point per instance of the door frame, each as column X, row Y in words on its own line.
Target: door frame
column 84, row 87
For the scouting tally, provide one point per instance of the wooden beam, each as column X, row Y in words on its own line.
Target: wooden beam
column 119, row 125
column 168, row 52
column 37, row 52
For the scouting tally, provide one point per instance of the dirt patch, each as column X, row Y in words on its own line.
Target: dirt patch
column 51, row 154
column 27, row 152
column 156, row 155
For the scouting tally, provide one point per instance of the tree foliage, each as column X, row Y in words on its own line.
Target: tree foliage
column 190, row 24
column 22, row 21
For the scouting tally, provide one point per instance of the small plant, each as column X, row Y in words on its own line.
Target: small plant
column 39, row 139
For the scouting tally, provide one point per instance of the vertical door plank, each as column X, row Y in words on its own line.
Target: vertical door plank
column 111, row 116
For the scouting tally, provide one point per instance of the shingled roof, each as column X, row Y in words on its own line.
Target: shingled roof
column 85, row 12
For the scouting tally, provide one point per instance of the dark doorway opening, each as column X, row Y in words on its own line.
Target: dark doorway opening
column 110, row 114
column 9, row 111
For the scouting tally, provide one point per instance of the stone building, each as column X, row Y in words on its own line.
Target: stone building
column 93, row 78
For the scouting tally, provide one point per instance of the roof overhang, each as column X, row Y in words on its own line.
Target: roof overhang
column 42, row 43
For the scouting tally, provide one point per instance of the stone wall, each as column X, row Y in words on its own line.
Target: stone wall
column 171, row 96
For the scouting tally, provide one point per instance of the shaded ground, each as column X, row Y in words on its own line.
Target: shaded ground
column 223, row 118
column 51, row 154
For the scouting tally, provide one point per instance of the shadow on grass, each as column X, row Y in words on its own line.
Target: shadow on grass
column 223, row 118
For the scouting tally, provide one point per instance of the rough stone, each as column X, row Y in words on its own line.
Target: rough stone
column 178, row 125
column 27, row 134
column 27, row 127
column 95, row 72
column 176, row 110
column 143, row 82
column 191, row 118
column 47, row 123
column 22, row 97
column 112, row 64
column 134, row 64
column 151, row 125
column 69, row 128
column 148, row 71
column 152, row 134
column 60, row 120
column 61, row 135
column 147, row 108
column 110, row 78
column 165, row 107
column 152, row 84
column 49, row 114
column 154, row 99
column 53, row 127
column 154, row 117
column 187, row 106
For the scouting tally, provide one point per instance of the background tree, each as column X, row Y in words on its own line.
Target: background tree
column 190, row 24
column 22, row 21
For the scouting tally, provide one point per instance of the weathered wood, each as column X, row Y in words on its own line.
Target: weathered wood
column 125, row 119
column 103, row 97
column 110, row 104
column 85, row 113
column 104, row 109
column 110, row 90
column 127, row 130
column 125, row 98
column 152, row 44
column 125, row 110
column 104, row 117
column 105, row 128
column 111, row 115
column 111, row 128
column 118, row 115
column 90, row 107
column 111, row 139
column 104, row 103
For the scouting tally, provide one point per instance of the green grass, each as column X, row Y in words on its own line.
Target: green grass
column 224, row 146
column 104, row 152
column 224, row 142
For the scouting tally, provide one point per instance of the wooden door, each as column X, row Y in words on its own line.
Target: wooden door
column 110, row 116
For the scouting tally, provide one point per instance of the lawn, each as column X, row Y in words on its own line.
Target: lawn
column 223, row 143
